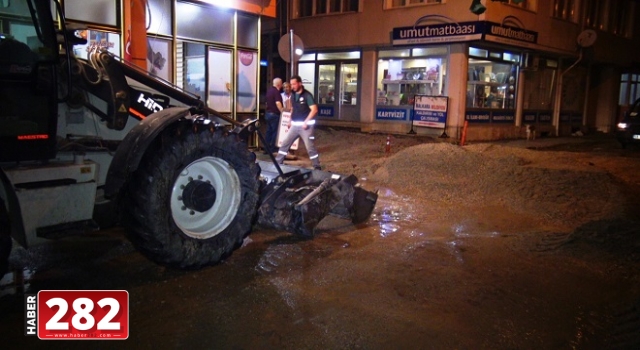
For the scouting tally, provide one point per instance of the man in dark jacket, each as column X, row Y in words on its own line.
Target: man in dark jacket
column 304, row 110
column 272, row 115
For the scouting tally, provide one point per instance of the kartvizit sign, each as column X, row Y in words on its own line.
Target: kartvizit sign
column 464, row 31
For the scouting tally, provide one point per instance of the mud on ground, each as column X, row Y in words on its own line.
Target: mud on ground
column 502, row 245
column 546, row 230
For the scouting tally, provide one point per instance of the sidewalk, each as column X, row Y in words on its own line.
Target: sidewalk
column 595, row 140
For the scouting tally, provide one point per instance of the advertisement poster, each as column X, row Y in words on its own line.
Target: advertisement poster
column 247, row 81
column 430, row 111
column 158, row 58
column 97, row 40
column 283, row 129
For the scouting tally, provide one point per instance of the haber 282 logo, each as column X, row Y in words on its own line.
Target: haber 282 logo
column 77, row 314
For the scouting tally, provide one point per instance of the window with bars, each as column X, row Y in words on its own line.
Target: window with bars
column 613, row 16
column 388, row 4
column 566, row 9
column 308, row 8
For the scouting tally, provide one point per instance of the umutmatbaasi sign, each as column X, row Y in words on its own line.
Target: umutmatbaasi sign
column 464, row 31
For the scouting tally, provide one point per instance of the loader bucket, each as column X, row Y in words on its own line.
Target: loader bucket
column 300, row 198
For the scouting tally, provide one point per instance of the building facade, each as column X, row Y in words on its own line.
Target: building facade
column 429, row 66
column 209, row 48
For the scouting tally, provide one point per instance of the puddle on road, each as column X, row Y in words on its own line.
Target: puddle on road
column 393, row 212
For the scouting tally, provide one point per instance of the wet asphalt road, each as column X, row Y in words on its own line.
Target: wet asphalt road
column 410, row 278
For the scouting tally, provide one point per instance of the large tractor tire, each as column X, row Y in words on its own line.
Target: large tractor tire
column 193, row 198
column 5, row 239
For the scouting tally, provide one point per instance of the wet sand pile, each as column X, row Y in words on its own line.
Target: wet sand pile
column 556, row 187
column 474, row 176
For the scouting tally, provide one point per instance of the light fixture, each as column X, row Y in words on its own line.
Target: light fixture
column 477, row 7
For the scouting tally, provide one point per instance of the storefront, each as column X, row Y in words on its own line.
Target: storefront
column 484, row 83
column 404, row 73
column 492, row 77
column 207, row 50
column 334, row 78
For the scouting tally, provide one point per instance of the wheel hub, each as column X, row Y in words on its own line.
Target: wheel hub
column 205, row 197
column 199, row 196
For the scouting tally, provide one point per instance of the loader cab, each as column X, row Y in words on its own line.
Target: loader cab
column 28, row 81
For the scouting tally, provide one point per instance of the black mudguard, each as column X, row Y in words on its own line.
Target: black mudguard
column 135, row 144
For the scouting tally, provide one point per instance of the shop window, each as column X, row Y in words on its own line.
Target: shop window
column 247, row 81
column 394, row 53
column 247, row 31
column 349, row 79
column 308, row 8
column 160, row 15
column 308, row 57
column 491, row 84
column 511, row 57
column 307, row 71
column 193, row 69
column 388, row 4
column 97, row 11
column 327, row 89
column 219, row 79
column 400, row 79
column 190, row 26
column 96, row 40
column 478, row 52
column 629, row 89
column 158, row 58
column 428, row 51
column 339, row 55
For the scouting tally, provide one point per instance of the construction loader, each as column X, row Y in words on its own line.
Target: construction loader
column 98, row 135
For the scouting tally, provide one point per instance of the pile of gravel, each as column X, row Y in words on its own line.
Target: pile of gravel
column 502, row 176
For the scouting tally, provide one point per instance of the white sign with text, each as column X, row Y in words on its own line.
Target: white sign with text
column 283, row 129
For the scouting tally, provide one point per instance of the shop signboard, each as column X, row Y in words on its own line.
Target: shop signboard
column 325, row 111
column 529, row 117
column 503, row 117
column 576, row 118
column 544, row 117
column 430, row 111
column 437, row 33
column 464, row 31
column 510, row 35
column 565, row 118
column 391, row 113
column 477, row 116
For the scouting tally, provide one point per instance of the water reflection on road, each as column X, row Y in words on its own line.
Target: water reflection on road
column 412, row 276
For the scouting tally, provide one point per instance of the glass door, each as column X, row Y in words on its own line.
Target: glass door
column 220, row 79
column 328, row 95
column 349, row 109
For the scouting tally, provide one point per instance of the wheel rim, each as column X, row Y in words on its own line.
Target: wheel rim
column 205, row 197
